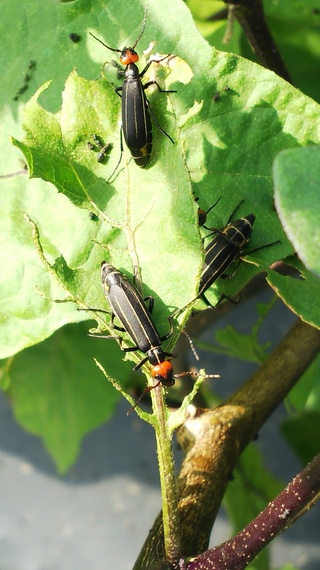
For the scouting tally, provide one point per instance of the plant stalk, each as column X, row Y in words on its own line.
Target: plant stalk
column 170, row 513
column 216, row 438
column 250, row 16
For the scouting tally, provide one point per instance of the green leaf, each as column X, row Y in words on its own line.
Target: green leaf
column 28, row 314
column 301, row 433
column 238, row 345
column 241, row 346
column 298, row 291
column 264, row 487
column 59, row 394
column 301, row 429
column 148, row 217
column 89, row 193
column 305, row 395
column 293, row 25
column 296, row 176
column 65, row 135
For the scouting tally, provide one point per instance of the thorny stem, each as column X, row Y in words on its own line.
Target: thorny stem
column 238, row 552
column 250, row 16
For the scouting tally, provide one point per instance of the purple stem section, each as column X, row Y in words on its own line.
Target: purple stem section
column 290, row 504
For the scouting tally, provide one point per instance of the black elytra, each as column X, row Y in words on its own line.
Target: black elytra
column 136, row 121
column 130, row 308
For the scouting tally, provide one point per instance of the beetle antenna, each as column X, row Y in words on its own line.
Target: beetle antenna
column 180, row 375
column 191, row 344
column 189, row 373
column 143, row 27
column 105, row 45
column 145, row 391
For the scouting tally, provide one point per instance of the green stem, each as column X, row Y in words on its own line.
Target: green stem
column 171, row 523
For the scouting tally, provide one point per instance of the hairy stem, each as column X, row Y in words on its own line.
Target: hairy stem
column 214, row 439
column 171, row 526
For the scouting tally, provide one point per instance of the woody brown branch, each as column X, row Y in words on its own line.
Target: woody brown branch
column 214, row 439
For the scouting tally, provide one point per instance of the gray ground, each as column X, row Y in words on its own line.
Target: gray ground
column 99, row 514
